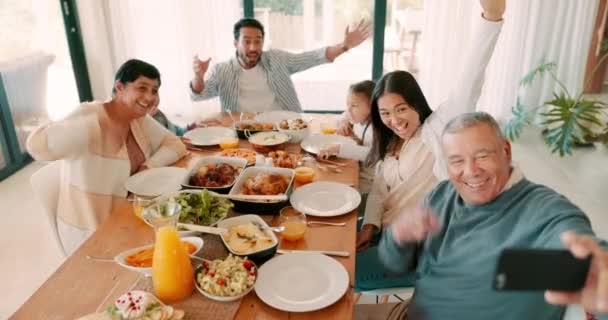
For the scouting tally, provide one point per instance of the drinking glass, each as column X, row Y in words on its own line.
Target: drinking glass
column 139, row 204
column 329, row 127
column 294, row 222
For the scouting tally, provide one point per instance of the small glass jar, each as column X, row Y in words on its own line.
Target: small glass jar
column 294, row 222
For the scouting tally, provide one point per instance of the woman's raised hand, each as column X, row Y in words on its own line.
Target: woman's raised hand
column 493, row 10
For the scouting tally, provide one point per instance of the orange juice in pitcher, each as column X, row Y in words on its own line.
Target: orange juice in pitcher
column 172, row 273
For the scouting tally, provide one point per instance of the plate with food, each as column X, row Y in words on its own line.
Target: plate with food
column 325, row 199
column 137, row 305
column 156, row 181
column 246, row 128
column 249, row 235
column 226, row 280
column 301, row 282
column 208, row 136
column 246, row 154
column 262, row 181
column 140, row 259
column 268, row 141
column 216, row 173
column 284, row 159
column 297, row 129
column 277, row 116
column 314, row 143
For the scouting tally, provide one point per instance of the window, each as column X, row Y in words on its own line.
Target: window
column 403, row 35
column 36, row 70
column 301, row 25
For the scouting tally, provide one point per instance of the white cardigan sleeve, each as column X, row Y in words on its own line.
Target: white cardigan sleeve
column 64, row 139
column 166, row 147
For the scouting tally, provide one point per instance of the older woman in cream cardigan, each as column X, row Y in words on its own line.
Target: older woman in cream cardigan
column 101, row 145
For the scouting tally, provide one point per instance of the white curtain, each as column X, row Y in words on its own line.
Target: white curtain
column 554, row 30
column 164, row 33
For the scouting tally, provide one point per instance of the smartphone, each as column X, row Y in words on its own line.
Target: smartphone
column 540, row 269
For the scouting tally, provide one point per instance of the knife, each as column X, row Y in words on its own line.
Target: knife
column 212, row 230
column 326, row 252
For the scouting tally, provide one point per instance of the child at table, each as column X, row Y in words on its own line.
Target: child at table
column 358, row 108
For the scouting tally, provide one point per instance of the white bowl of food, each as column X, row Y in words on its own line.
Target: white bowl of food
column 216, row 173
column 268, row 141
column 263, row 181
column 249, row 235
column 140, row 259
column 226, row 280
column 297, row 129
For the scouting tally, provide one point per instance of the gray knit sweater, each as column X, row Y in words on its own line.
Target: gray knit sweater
column 454, row 268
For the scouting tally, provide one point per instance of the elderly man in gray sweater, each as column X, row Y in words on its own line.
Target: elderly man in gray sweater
column 452, row 242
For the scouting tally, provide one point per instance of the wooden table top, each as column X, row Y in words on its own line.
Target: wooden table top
column 81, row 286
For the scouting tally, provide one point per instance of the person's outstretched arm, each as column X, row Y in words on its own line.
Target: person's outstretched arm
column 351, row 40
column 466, row 88
column 201, row 89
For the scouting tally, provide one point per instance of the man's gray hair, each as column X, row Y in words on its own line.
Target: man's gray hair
column 473, row 119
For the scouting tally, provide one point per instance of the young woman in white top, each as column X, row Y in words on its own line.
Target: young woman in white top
column 406, row 149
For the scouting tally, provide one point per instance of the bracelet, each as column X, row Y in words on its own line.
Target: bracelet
column 344, row 48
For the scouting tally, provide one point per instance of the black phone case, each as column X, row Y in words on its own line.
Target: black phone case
column 540, row 269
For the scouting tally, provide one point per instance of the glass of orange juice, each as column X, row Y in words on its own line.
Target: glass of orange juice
column 294, row 222
column 329, row 127
column 229, row 142
column 172, row 274
column 304, row 175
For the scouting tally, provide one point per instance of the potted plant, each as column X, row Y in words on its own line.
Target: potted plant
column 569, row 120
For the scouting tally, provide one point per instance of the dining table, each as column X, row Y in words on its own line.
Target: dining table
column 82, row 285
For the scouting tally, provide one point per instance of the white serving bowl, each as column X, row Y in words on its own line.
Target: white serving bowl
column 203, row 161
column 121, row 257
column 296, row 136
column 200, row 268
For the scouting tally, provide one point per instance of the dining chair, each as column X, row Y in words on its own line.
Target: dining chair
column 45, row 183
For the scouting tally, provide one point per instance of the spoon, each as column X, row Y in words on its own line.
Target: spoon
column 278, row 229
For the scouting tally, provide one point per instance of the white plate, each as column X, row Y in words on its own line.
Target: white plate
column 209, row 136
column 120, row 258
column 325, row 199
column 156, row 181
column 277, row 116
column 301, row 282
column 314, row 143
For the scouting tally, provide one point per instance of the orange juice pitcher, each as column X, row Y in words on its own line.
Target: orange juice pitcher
column 172, row 273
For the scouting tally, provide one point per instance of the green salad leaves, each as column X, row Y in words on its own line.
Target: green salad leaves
column 202, row 208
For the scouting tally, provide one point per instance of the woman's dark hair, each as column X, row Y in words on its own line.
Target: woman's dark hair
column 365, row 87
column 133, row 69
column 247, row 22
column 403, row 84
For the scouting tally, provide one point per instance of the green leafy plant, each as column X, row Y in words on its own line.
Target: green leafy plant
column 568, row 119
